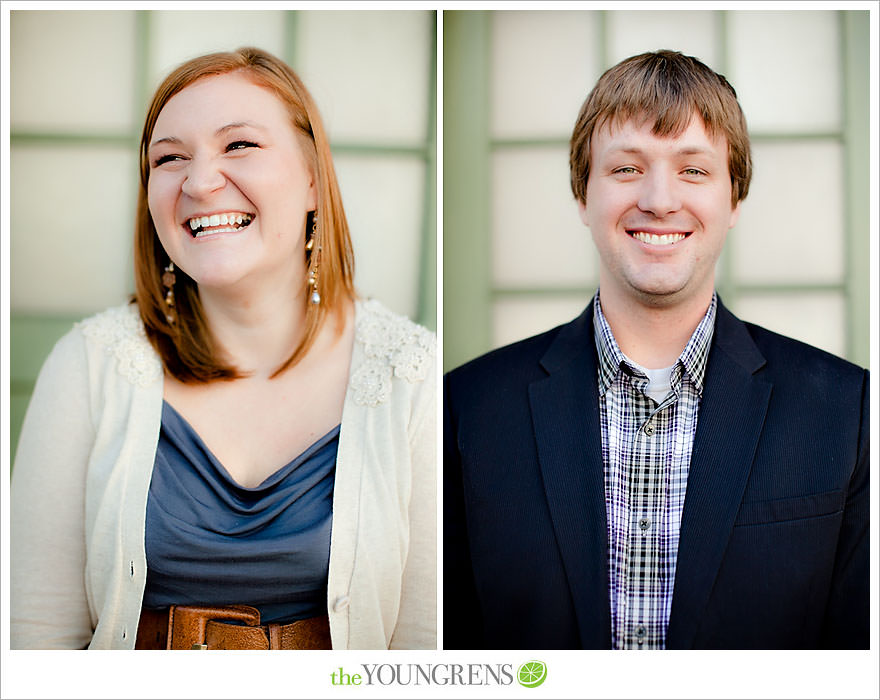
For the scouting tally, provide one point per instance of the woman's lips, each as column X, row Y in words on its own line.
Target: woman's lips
column 226, row 222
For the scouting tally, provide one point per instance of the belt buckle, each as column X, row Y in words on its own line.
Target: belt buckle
column 187, row 623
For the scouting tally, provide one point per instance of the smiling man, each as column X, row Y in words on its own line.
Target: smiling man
column 657, row 474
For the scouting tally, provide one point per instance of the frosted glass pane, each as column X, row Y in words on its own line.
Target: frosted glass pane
column 785, row 67
column 816, row 318
column 176, row 36
column 521, row 317
column 543, row 65
column 369, row 72
column 72, row 222
column 72, row 71
column 692, row 33
column 538, row 239
column 791, row 225
column 383, row 200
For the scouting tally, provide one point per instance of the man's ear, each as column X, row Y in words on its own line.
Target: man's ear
column 582, row 212
column 734, row 215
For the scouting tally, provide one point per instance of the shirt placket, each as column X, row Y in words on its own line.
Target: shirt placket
column 642, row 628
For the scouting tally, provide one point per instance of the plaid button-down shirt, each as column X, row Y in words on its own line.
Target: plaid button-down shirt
column 646, row 451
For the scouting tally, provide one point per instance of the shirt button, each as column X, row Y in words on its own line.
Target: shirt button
column 341, row 603
column 649, row 429
column 644, row 524
column 641, row 633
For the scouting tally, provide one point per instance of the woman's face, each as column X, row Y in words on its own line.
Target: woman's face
column 229, row 187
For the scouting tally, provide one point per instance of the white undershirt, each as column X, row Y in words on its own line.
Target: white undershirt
column 659, row 382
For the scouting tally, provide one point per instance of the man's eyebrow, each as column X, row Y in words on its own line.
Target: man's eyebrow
column 222, row 130
column 683, row 151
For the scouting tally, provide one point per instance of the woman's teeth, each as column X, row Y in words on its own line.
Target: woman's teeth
column 231, row 221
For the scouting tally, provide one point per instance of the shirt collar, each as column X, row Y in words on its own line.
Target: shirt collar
column 693, row 358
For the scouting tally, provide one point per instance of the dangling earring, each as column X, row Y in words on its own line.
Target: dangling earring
column 314, row 260
column 168, row 280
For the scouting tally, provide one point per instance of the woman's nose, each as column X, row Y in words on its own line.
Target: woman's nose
column 660, row 194
column 202, row 178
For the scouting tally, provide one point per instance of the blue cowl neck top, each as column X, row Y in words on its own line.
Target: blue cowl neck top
column 211, row 541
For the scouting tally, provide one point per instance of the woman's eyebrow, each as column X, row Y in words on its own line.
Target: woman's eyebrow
column 222, row 130
column 236, row 125
column 165, row 139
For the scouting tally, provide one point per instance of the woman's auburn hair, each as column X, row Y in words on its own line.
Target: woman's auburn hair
column 668, row 88
column 185, row 344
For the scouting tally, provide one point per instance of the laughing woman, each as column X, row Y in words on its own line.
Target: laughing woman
column 244, row 455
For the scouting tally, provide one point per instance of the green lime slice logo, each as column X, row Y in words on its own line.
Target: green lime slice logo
column 531, row 674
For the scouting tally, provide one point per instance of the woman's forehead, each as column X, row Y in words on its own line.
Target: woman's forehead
column 228, row 98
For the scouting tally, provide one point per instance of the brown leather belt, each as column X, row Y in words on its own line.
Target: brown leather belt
column 203, row 627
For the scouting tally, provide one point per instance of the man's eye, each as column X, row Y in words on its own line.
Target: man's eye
column 626, row 170
column 239, row 145
column 693, row 171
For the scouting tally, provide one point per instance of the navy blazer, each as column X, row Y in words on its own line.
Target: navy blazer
column 773, row 550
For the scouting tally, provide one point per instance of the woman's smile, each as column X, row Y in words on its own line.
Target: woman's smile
column 209, row 224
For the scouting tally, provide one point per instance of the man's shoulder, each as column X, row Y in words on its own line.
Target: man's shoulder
column 517, row 362
column 787, row 356
column 803, row 375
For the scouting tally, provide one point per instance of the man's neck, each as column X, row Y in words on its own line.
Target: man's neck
column 653, row 336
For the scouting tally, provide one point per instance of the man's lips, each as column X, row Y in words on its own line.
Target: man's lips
column 658, row 238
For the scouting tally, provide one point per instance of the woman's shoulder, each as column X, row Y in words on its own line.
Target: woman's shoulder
column 117, row 335
column 393, row 347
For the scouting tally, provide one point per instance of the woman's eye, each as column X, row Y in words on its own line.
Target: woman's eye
column 165, row 159
column 626, row 170
column 693, row 171
column 240, row 145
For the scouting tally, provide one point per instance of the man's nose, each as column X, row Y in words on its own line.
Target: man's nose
column 660, row 193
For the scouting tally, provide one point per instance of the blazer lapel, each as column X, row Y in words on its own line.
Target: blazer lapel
column 731, row 418
column 565, row 417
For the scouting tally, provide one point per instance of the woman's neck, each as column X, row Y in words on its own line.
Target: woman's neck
column 256, row 326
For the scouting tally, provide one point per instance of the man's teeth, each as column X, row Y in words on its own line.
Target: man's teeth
column 233, row 218
column 658, row 239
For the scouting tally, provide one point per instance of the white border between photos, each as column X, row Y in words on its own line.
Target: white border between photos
column 571, row 674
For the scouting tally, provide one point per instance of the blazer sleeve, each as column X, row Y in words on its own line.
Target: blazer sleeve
column 847, row 618
column 48, row 599
column 416, row 626
column 462, row 619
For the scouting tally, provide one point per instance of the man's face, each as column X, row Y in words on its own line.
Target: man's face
column 659, row 210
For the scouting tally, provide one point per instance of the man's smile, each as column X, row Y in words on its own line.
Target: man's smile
column 658, row 239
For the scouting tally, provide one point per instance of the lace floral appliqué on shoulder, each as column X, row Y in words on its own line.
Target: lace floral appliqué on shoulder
column 121, row 332
column 393, row 346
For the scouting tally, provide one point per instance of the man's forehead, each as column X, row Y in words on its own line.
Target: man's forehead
column 633, row 134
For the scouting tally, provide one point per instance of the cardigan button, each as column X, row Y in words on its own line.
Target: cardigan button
column 341, row 603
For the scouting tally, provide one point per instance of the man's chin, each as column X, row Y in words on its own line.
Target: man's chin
column 664, row 294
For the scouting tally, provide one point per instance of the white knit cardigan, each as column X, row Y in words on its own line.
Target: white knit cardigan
column 83, row 467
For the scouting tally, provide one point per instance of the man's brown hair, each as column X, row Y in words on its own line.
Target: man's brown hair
column 668, row 88
column 185, row 343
